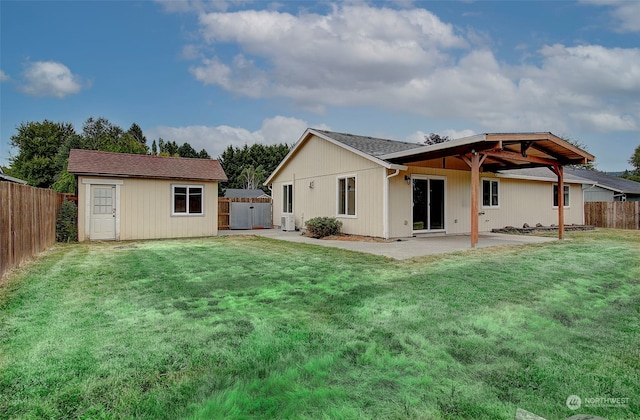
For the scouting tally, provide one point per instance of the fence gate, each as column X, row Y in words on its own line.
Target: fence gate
column 250, row 215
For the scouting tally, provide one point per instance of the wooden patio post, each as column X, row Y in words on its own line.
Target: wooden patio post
column 560, row 173
column 475, row 181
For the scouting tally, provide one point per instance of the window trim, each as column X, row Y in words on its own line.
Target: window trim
column 490, row 180
column 346, row 215
column 187, row 213
column 567, row 202
column 284, row 196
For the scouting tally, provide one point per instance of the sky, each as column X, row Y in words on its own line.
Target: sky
column 220, row 73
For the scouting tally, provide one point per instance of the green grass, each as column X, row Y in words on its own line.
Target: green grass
column 244, row 327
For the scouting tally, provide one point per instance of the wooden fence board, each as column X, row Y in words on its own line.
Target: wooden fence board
column 613, row 214
column 27, row 222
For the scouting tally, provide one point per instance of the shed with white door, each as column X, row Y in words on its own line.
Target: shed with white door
column 125, row 196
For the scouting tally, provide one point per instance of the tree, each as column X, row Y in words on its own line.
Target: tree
column 101, row 134
column 187, row 151
column 235, row 160
column 577, row 143
column 137, row 133
column 251, row 177
column 38, row 144
column 434, row 138
column 634, row 161
column 154, row 148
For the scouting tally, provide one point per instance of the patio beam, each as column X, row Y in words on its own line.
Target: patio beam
column 519, row 158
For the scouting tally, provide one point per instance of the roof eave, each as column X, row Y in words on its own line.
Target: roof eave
column 111, row 175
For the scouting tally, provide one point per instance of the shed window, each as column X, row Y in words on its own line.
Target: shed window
column 287, row 198
column 347, row 196
column 490, row 193
column 187, row 199
column 555, row 195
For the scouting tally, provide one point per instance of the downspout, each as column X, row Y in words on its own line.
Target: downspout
column 385, row 199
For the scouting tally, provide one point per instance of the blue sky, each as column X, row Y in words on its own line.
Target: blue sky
column 225, row 73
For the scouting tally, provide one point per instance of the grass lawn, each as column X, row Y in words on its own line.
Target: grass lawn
column 245, row 327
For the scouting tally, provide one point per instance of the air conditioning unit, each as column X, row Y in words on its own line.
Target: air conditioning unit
column 288, row 222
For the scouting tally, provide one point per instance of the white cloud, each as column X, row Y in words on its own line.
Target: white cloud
column 411, row 61
column 49, row 78
column 458, row 134
column 625, row 12
column 216, row 139
column 4, row 76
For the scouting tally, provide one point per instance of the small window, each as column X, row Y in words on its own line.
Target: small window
column 555, row 195
column 347, row 196
column 187, row 199
column 490, row 193
column 287, row 198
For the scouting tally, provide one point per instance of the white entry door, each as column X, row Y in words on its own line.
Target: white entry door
column 103, row 212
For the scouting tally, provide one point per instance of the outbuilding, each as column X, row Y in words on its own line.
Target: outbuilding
column 126, row 196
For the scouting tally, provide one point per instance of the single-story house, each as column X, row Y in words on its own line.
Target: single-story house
column 387, row 188
column 245, row 193
column 605, row 187
column 126, row 196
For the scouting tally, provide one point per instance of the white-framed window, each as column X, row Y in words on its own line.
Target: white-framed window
column 555, row 195
column 187, row 200
column 490, row 193
column 346, row 195
column 287, row 198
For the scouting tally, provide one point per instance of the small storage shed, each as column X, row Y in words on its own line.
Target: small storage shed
column 125, row 196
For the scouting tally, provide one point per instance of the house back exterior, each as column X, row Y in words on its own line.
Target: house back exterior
column 348, row 177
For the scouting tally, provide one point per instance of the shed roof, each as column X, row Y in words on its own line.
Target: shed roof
column 91, row 162
column 5, row 177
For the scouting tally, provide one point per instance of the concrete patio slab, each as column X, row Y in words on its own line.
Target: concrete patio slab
column 403, row 248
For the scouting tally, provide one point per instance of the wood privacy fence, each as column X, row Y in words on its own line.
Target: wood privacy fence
column 224, row 208
column 27, row 222
column 613, row 214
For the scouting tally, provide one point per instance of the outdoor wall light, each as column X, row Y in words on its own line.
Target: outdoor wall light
column 408, row 179
column 311, row 184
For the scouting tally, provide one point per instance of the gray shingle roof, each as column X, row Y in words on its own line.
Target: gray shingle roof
column 370, row 145
column 608, row 181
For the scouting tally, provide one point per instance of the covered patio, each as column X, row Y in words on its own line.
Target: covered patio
column 493, row 152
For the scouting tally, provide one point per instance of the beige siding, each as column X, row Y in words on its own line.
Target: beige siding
column 521, row 201
column 144, row 210
column 314, row 171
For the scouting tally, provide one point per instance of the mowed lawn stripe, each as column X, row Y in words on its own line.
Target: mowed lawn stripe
column 246, row 327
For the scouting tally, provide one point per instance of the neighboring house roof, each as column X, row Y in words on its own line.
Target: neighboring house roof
column 244, row 193
column 610, row 182
column 91, row 162
column 4, row 177
column 583, row 176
